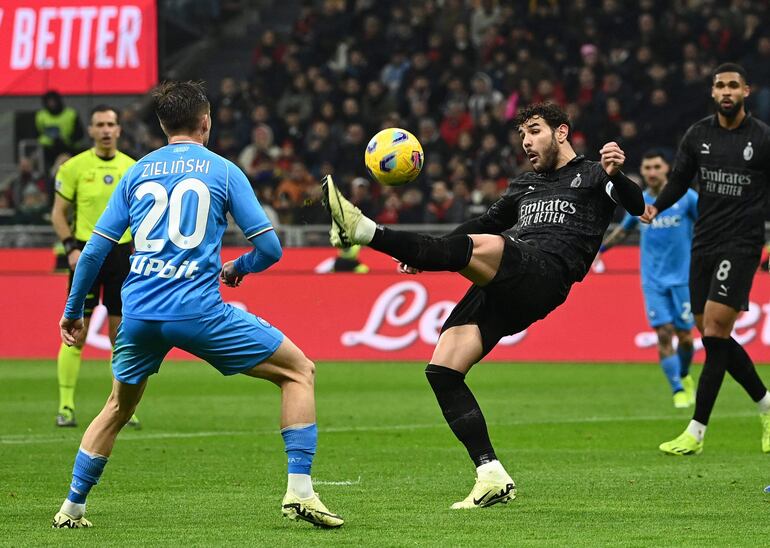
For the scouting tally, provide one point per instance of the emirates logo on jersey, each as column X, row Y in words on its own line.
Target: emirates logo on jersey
column 748, row 152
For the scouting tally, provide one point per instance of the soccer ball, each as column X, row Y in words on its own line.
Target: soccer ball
column 394, row 157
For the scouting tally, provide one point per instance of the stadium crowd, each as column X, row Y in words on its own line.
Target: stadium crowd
column 455, row 72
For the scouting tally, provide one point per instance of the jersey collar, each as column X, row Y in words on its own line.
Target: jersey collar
column 744, row 122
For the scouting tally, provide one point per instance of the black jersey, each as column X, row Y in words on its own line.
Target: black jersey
column 732, row 168
column 563, row 213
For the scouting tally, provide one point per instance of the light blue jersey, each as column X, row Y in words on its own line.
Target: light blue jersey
column 665, row 243
column 175, row 202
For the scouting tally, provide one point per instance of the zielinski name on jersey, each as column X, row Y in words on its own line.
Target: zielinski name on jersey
column 724, row 183
column 142, row 265
column 553, row 211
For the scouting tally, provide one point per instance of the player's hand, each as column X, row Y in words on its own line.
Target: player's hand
column 650, row 212
column 72, row 258
column 403, row 268
column 612, row 158
column 229, row 276
column 71, row 330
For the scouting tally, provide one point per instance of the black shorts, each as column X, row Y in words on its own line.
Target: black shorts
column 528, row 285
column 723, row 277
column 109, row 281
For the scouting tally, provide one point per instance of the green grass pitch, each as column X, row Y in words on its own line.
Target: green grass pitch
column 209, row 469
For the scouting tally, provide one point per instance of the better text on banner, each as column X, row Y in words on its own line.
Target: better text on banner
column 76, row 47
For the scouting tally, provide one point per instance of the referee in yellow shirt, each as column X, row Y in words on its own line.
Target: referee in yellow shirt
column 85, row 183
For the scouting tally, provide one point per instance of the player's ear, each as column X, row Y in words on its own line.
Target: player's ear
column 206, row 123
column 562, row 132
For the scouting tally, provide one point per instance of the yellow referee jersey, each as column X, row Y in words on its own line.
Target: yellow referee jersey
column 88, row 181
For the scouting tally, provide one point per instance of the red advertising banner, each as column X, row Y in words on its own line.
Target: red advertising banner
column 76, row 47
column 384, row 315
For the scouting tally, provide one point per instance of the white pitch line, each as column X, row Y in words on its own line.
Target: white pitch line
column 21, row 439
column 345, row 482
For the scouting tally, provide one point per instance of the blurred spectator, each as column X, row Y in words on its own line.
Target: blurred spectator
column 757, row 65
column 443, row 207
column 360, row 195
column 257, row 159
column 27, row 185
column 134, row 133
column 456, row 121
column 390, row 212
column 484, row 97
column 412, row 210
column 58, row 127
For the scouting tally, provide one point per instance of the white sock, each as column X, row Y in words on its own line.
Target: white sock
column 73, row 509
column 364, row 231
column 492, row 468
column 764, row 403
column 697, row 429
column 301, row 485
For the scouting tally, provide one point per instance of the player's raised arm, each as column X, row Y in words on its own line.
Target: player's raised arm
column 622, row 189
column 253, row 221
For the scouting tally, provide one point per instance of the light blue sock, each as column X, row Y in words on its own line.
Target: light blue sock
column 685, row 359
column 85, row 474
column 671, row 367
column 300, row 441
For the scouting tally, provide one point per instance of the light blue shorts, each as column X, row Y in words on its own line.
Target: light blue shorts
column 668, row 305
column 230, row 339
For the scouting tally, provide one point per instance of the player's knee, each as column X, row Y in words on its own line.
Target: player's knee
column 665, row 336
column 717, row 327
column 685, row 339
column 120, row 412
column 305, row 370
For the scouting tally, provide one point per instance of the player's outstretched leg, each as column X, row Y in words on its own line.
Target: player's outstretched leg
column 95, row 449
column 450, row 253
column 294, row 373
column 460, row 347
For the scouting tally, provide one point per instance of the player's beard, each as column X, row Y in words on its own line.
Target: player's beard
column 732, row 111
column 550, row 155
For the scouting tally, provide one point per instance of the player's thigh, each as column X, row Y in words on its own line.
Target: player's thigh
column 486, row 258
column 731, row 278
column 231, row 340
column 458, row 348
column 140, row 347
column 288, row 362
column 657, row 306
column 679, row 297
column 718, row 319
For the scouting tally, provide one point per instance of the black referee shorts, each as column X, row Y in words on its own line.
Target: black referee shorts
column 109, row 281
column 724, row 277
column 528, row 286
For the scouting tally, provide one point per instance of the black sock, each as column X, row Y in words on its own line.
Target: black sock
column 742, row 369
column 452, row 253
column 717, row 355
column 461, row 411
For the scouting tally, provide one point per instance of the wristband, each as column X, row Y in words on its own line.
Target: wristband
column 602, row 248
column 70, row 244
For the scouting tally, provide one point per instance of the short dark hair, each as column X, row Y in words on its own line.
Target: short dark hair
column 179, row 105
column 730, row 67
column 656, row 153
column 104, row 108
column 553, row 115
